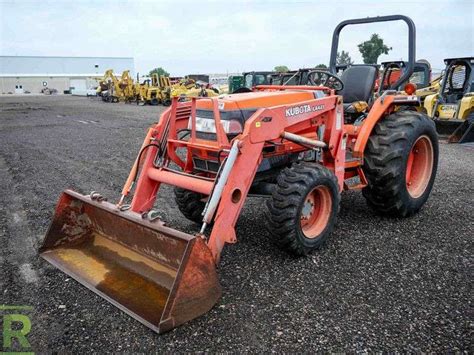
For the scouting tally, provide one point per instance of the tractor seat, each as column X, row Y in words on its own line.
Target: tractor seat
column 359, row 82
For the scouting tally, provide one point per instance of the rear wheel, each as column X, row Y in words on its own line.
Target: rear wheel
column 190, row 204
column 303, row 207
column 400, row 164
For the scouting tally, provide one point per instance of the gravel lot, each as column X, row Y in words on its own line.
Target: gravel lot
column 379, row 284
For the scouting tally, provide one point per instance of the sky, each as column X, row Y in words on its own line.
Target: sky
column 229, row 36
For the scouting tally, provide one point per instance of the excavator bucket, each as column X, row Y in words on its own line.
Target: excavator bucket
column 159, row 276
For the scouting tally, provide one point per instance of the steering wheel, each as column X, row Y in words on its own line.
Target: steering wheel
column 324, row 78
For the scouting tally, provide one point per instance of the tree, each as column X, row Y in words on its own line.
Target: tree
column 160, row 71
column 321, row 66
column 343, row 58
column 372, row 49
column 281, row 69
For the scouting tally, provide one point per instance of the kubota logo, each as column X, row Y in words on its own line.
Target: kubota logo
column 298, row 110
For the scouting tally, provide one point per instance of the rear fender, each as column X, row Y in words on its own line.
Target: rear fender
column 381, row 107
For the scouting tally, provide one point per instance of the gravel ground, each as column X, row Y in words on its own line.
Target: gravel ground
column 379, row 284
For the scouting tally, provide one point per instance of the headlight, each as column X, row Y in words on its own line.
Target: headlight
column 208, row 125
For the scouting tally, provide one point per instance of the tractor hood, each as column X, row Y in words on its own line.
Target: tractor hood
column 256, row 100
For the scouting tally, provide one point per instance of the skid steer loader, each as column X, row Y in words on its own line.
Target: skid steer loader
column 452, row 107
column 295, row 144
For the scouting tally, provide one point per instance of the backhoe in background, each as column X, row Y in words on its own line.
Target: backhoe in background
column 128, row 92
column 301, row 146
column 189, row 88
column 113, row 89
column 109, row 89
column 149, row 91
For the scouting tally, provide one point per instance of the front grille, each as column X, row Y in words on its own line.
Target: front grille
column 183, row 112
column 206, row 165
column 212, row 165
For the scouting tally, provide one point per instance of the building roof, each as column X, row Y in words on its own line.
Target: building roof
column 63, row 66
column 59, row 56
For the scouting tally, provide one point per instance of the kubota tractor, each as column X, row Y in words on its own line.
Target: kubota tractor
column 295, row 144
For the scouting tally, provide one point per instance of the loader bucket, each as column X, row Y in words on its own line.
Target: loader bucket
column 159, row 276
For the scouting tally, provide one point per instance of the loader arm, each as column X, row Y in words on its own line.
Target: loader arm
column 264, row 126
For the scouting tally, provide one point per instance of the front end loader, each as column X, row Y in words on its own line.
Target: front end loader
column 297, row 145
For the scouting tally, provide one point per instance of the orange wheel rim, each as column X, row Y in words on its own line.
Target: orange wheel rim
column 316, row 211
column 419, row 166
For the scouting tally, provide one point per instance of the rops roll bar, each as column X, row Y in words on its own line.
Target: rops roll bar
column 411, row 42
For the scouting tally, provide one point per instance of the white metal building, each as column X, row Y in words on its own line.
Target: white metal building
column 75, row 75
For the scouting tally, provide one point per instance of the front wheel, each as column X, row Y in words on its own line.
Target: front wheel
column 191, row 204
column 303, row 208
column 400, row 163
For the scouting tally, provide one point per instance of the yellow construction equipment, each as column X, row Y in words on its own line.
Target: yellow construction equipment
column 188, row 88
column 109, row 88
column 164, row 83
column 452, row 107
column 113, row 89
column 127, row 87
column 433, row 88
column 149, row 92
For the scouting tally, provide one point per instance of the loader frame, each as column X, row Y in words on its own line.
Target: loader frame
column 265, row 128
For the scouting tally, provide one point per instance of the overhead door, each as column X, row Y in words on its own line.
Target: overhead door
column 78, row 87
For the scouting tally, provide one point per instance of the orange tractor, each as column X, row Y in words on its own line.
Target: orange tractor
column 295, row 144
